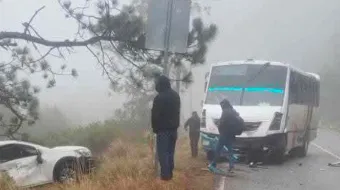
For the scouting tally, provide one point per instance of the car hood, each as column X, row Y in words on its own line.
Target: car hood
column 70, row 148
column 248, row 113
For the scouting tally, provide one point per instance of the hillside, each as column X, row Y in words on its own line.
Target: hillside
column 127, row 162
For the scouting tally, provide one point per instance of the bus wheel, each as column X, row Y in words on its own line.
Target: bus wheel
column 302, row 151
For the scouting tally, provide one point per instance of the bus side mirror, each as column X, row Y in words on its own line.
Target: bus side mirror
column 206, row 81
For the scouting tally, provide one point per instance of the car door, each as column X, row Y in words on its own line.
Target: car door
column 20, row 163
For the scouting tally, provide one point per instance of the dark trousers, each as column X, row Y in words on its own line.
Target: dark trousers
column 224, row 141
column 194, row 139
column 166, row 143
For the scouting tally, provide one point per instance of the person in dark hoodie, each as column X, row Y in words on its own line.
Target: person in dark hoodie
column 165, row 122
column 227, row 125
column 194, row 132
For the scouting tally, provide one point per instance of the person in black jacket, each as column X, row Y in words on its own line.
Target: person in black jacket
column 194, row 132
column 227, row 125
column 165, row 122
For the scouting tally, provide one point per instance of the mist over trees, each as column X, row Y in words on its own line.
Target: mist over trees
column 51, row 120
column 111, row 32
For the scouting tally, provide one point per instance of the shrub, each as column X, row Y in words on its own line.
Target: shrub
column 96, row 136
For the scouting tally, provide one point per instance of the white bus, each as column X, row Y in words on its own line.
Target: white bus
column 278, row 102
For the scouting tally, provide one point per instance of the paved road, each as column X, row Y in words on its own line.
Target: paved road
column 310, row 173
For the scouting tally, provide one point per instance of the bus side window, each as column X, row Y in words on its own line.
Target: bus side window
column 293, row 89
column 312, row 92
column 303, row 90
column 317, row 92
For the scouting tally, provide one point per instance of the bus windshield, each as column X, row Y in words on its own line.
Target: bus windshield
column 262, row 86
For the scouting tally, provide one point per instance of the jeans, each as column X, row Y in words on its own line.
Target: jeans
column 166, row 143
column 194, row 138
column 227, row 142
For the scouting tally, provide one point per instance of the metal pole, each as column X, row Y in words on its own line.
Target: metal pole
column 166, row 70
column 191, row 92
column 167, row 38
column 178, row 79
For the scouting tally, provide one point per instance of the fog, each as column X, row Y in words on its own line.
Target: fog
column 302, row 33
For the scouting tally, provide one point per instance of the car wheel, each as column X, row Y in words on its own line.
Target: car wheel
column 67, row 172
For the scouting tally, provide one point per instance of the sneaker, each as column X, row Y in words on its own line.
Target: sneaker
column 212, row 167
column 231, row 169
column 235, row 157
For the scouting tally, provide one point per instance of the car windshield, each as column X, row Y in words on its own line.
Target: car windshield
column 261, row 85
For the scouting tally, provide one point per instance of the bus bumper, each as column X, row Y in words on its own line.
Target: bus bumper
column 244, row 146
column 209, row 141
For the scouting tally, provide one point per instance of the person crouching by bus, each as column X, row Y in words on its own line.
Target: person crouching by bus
column 226, row 128
column 194, row 132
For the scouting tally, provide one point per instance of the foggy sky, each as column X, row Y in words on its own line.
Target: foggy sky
column 298, row 32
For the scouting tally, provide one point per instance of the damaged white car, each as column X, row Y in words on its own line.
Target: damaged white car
column 33, row 165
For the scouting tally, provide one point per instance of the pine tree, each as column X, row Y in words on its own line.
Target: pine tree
column 114, row 34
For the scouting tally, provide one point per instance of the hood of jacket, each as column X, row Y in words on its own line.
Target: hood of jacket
column 226, row 106
column 162, row 84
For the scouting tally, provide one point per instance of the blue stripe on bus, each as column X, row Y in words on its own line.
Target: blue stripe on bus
column 251, row 89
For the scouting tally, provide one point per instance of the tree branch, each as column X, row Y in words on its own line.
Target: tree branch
column 123, row 56
column 8, row 44
column 43, row 56
column 101, row 64
column 30, row 21
column 66, row 43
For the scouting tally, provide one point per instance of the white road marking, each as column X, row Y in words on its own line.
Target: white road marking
column 222, row 183
column 326, row 151
column 223, row 179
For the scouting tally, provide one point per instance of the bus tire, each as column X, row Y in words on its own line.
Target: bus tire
column 302, row 151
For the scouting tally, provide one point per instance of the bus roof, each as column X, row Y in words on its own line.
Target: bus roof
column 261, row 62
column 249, row 61
column 315, row 75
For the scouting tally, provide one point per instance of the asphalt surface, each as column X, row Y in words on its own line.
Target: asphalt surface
column 309, row 173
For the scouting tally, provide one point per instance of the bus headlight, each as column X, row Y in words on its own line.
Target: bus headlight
column 276, row 123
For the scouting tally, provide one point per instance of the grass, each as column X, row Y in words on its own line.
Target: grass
column 128, row 165
column 6, row 183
